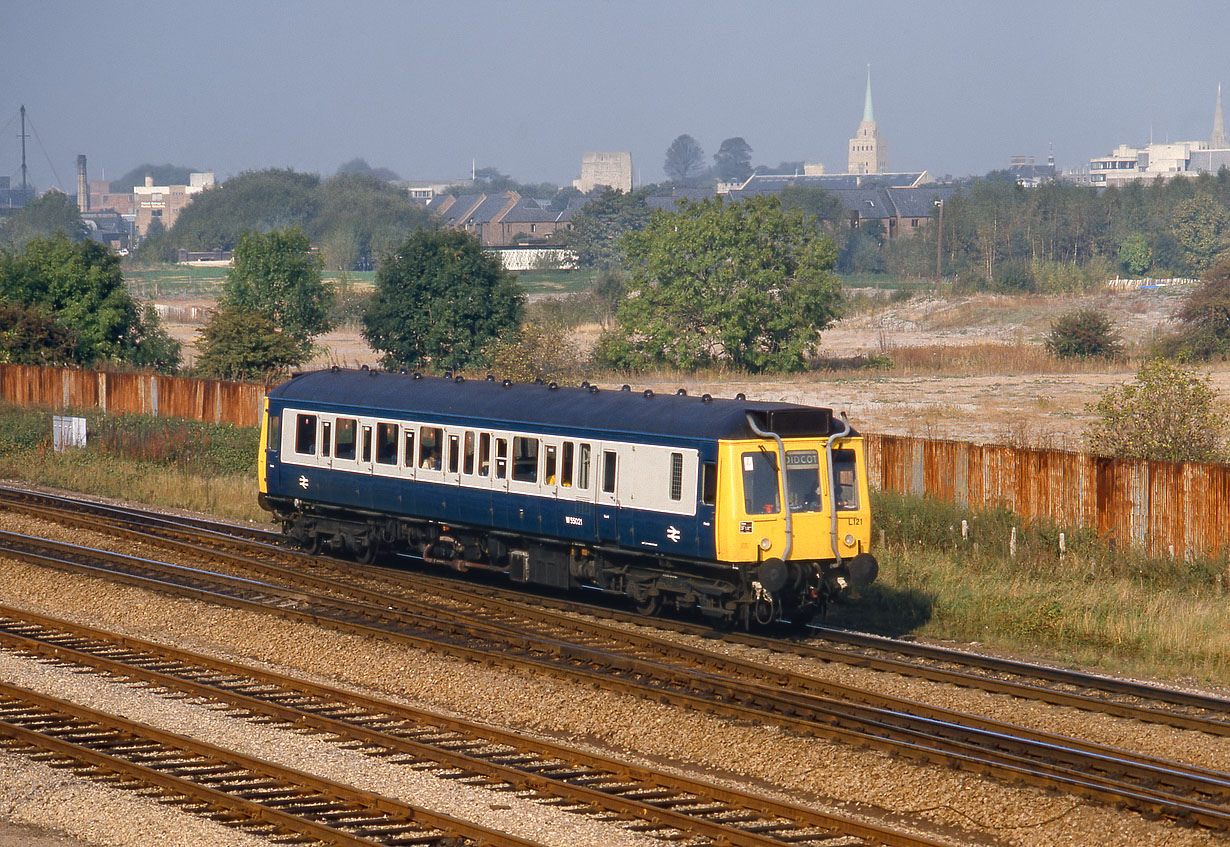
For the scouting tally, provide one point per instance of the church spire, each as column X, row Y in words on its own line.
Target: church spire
column 869, row 114
column 1218, row 140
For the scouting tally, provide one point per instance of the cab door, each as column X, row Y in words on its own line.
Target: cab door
column 606, row 499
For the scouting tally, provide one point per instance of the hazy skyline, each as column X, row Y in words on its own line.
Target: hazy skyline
column 424, row 88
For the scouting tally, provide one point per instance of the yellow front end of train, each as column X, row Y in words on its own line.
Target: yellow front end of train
column 816, row 511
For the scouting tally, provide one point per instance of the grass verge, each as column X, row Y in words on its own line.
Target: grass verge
column 163, row 462
column 1094, row 606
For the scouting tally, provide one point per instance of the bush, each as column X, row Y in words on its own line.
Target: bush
column 1205, row 319
column 1169, row 414
column 536, row 352
column 1083, row 334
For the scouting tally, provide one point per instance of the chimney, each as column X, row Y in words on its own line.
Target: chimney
column 83, row 187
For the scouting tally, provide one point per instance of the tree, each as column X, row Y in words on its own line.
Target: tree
column 815, row 202
column 740, row 284
column 1204, row 318
column 240, row 344
column 1135, row 257
column 733, row 160
column 79, row 285
column 358, row 218
column 256, row 201
column 440, row 302
column 597, row 228
column 1169, row 413
column 1082, row 334
column 43, row 217
column 362, row 168
column 30, row 336
column 1199, row 225
column 276, row 275
column 684, row 159
column 161, row 175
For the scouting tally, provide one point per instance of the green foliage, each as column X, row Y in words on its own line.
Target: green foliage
column 440, row 302
column 1200, row 227
column 1135, row 255
column 30, row 336
column 256, row 201
column 277, row 276
column 537, row 351
column 741, row 284
column 1169, row 413
column 362, row 168
column 43, row 217
column 601, row 223
column 359, row 218
column 684, row 160
column 1204, row 318
column 162, row 175
column 79, row 285
column 1083, row 334
column 242, row 344
column 817, row 203
column 733, row 160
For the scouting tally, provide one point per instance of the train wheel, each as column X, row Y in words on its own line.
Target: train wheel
column 311, row 544
column 365, row 551
column 650, row 606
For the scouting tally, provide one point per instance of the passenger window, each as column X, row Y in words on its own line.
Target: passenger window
column 708, row 484
column 431, row 447
column 548, row 471
column 468, row 465
column 760, row 483
column 608, row 471
column 305, row 435
column 454, row 453
column 367, row 443
column 845, row 479
column 484, row 454
column 676, row 476
column 501, row 458
column 386, row 443
column 565, row 471
column 347, row 435
column 583, row 468
column 275, row 432
column 408, row 454
column 525, row 459
column 326, row 438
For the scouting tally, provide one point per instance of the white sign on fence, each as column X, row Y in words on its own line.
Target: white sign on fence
column 67, row 432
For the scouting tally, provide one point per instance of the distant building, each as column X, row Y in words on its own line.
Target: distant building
column 1161, row 161
column 868, row 153
column 500, row 220
column 165, row 202
column 1031, row 175
column 12, row 198
column 610, row 169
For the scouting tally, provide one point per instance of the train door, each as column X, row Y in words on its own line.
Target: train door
column 606, row 501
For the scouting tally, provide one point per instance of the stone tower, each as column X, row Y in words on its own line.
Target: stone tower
column 1218, row 139
column 868, row 154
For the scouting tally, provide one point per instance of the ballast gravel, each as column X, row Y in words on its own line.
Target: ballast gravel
column 812, row 771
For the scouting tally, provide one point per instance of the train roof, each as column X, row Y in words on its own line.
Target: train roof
column 586, row 407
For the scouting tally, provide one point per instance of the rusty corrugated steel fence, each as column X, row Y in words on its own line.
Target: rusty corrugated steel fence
column 1179, row 509
column 210, row 400
column 1167, row 508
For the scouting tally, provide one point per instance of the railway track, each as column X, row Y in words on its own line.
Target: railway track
column 1087, row 692
column 1152, row 786
column 221, row 784
column 664, row 805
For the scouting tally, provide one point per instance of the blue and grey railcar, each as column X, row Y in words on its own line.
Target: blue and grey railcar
column 746, row 511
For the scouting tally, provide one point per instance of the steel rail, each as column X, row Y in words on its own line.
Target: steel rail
column 1217, row 722
column 248, row 788
column 1002, row 755
column 295, row 702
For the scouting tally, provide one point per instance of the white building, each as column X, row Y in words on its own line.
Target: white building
column 610, row 169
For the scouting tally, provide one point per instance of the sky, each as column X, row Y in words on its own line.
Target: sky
column 428, row 88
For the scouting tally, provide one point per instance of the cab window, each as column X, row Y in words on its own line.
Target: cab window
column 845, row 479
column 803, row 480
column 760, row 483
column 275, row 433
